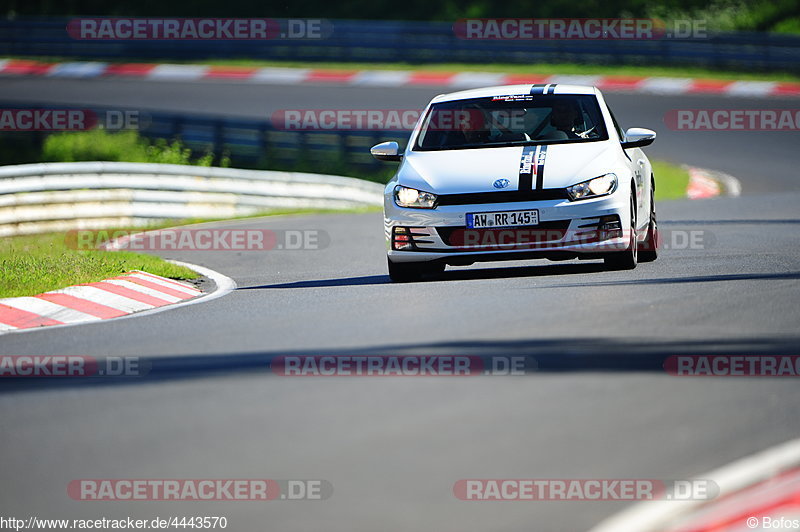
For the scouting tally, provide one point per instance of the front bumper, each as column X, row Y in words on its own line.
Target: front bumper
column 566, row 230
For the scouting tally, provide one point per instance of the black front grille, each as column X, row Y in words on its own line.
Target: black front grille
column 506, row 196
column 544, row 232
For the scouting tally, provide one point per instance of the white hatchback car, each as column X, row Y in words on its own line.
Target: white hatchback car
column 517, row 172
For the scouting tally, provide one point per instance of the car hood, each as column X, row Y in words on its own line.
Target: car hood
column 465, row 171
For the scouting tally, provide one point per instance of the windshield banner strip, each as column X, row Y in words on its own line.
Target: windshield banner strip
column 526, row 168
column 543, row 88
column 541, row 155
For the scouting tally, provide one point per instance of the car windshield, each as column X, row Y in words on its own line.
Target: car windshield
column 511, row 120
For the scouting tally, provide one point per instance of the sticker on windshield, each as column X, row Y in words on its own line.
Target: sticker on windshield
column 513, row 98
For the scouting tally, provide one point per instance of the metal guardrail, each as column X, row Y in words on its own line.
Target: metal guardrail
column 414, row 42
column 37, row 198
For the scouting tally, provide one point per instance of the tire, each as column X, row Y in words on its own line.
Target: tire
column 406, row 272
column 648, row 250
column 627, row 259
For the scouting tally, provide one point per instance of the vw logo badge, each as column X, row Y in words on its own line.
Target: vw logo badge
column 500, row 183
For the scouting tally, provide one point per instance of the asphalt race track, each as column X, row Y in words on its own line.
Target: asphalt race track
column 600, row 405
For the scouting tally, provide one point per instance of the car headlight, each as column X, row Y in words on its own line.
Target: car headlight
column 411, row 197
column 599, row 186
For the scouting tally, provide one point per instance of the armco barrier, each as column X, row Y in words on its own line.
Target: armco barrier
column 37, row 198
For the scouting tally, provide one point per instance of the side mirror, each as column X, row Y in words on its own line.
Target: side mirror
column 386, row 151
column 637, row 137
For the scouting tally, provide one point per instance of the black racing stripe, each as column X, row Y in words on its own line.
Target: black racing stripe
column 551, row 89
column 538, row 88
column 526, row 168
column 539, row 162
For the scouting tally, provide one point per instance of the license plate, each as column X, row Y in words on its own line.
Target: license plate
column 480, row 220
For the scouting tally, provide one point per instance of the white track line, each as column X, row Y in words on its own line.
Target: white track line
column 650, row 516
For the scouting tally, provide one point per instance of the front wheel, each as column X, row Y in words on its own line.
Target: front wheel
column 648, row 251
column 405, row 272
column 627, row 259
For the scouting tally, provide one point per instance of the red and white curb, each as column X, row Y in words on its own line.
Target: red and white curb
column 764, row 485
column 392, row 78
column 709, row 184
column 133, row 294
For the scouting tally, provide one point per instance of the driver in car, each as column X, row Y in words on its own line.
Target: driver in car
column 563, row 119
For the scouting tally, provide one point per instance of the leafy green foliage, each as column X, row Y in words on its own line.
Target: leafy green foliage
column 126, row 146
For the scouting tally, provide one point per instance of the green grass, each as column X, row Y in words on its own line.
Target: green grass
column 671, row 180
column 34, row 264
column 508, row 68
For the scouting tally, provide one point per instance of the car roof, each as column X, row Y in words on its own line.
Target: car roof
column 505, row 90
